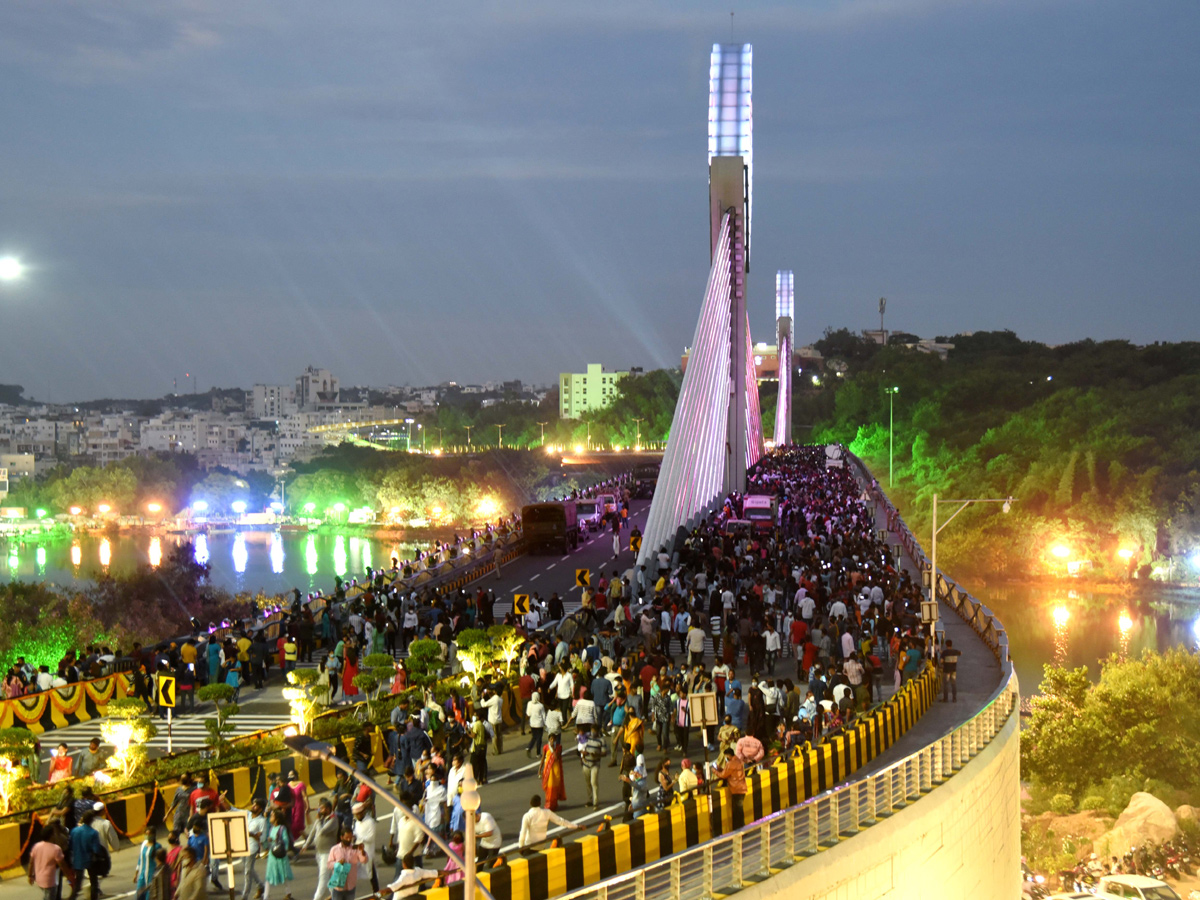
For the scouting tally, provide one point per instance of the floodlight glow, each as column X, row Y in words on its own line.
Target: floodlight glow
column 75, row 510
column 1062, row 551
column 579, row 448
column 11, row 268
column 310, row 507
column 784, row 294
column 200, row 505
column 40, row 513
column 487, row 506
column 277, row 506
column 731, row 113
column 339, row 507
column 1124, row 622
column 1125, row 553
column 154, row 507
column 238, row 506
column 1061, row 616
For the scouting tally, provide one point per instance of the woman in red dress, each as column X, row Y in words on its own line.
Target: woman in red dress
column 554, row 786
column 349, row 671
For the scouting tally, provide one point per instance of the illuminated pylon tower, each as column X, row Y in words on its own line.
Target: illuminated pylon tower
column 784, row 310
column 716, row 433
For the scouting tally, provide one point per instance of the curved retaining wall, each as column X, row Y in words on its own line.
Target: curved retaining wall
column 963, row 839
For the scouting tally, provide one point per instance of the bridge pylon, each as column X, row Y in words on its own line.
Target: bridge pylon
column 784, row 313
column 716, row 433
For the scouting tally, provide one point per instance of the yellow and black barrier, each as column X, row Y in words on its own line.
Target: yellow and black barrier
column 700, row 818
column 60, row 707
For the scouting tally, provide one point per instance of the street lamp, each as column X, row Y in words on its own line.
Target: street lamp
column 501, row 433
column 313, row 749
column 408, row 435
column 637, row 444
column 1007, row 505
column 543, row 424
column 891, row 392
column 468, row 427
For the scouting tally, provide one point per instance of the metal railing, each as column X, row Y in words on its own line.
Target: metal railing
column 728, row 863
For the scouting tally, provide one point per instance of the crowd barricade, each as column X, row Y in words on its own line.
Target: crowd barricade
column 769, row 789
column 60, row 707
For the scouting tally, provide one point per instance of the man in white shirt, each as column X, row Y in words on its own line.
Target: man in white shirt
column 491, row 702
column 364, row 833
column 807, row 605
column 536, row 822
column 837, row 610
column 532, row 619
column 564, row 686
column 410, row 879
column 257, row 830
column 488, row 838
column 406, row 836
column 773, row 645
column 453, row 777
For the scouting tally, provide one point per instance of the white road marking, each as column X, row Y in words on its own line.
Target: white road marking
column 551, row 566
column 536, row 577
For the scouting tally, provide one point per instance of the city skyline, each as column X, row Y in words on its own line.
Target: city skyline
column 415, row 196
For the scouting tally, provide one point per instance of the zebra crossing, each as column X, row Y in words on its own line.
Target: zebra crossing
column 187, row 733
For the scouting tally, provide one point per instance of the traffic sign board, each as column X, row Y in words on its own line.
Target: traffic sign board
column 166, row 690
column 521, row 604
column 583, row 578
column 635, row 542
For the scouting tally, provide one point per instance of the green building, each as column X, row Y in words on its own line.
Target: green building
column 580, row 392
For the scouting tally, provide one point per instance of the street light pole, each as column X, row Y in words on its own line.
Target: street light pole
column 1007, row 505
column 313, row 749
column 468, row 427
column 543, row 424
column 891, row 392
column 500, row 439
column 638, row 440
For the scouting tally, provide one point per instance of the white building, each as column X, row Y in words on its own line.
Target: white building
column 314, row 387
column 270, row 402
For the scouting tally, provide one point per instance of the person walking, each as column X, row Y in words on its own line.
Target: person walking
column 279, row 840
column 323, row 834
column 535, row 712
column 340, row 870
column 86, row 852
column 256, row 830
column 147, row 860
column 590, row 755
column 46, row 863
column 553, row 783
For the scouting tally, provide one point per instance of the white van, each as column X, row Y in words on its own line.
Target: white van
column 590, row 513
column 761, row 509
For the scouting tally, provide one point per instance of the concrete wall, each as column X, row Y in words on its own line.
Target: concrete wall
column 963, row 839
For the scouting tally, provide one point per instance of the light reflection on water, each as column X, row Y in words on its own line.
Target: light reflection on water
column 274, row 562
column 1081, row 627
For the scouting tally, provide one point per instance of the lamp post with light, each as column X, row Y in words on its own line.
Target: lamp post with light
column 638, row 440
column 314, row 749
column 1007, row 505
column 891, row 392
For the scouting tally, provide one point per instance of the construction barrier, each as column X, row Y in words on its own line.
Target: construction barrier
column 695, row 820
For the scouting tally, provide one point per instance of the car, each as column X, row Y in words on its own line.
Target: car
column 608, row 502
column 590, row 514
column 1137, row 887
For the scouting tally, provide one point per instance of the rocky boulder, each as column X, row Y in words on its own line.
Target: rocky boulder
column 1187, row 812
column 1146, row 818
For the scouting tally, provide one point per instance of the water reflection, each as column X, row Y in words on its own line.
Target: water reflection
column 339, row 556
column 13, row 559
column 1124, row 626
column 105, row 553
column 1062, row 616
column 277, row 556
column 240, row 554
column 155, row 553
column 201, row 554
column 310, row 556
column 40, row 556
column 76, row 555
column 366, row 556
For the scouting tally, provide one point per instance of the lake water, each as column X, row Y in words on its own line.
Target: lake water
column 1075, row 626
column 248, row 561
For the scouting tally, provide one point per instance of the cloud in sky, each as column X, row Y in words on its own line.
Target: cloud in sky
column 415, row 192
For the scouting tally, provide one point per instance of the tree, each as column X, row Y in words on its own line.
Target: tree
column 508, row 643
column 304, row 697
column 16, row 747
column 219, row 727
column 475, row 650
column 424, row 661
column 90, row 488
column 127, row 727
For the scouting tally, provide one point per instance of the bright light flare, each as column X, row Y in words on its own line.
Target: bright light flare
column 488, row 506
column 75, row 510
column 579, row 448
column 1061, row 616
column 103, row 508
column 11, row 268
column 238, row 506
column 200, row 506
column 1062, row 551
column 1125, row 553
column 1124, row 622
column 154, row 507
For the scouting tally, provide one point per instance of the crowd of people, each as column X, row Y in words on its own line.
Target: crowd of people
column 743, row 645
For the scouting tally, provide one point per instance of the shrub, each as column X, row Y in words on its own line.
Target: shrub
column 1062, row 804
column 1094, row 802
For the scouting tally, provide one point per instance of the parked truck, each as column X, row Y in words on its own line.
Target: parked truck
column 762, row 510
column 553, row 525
